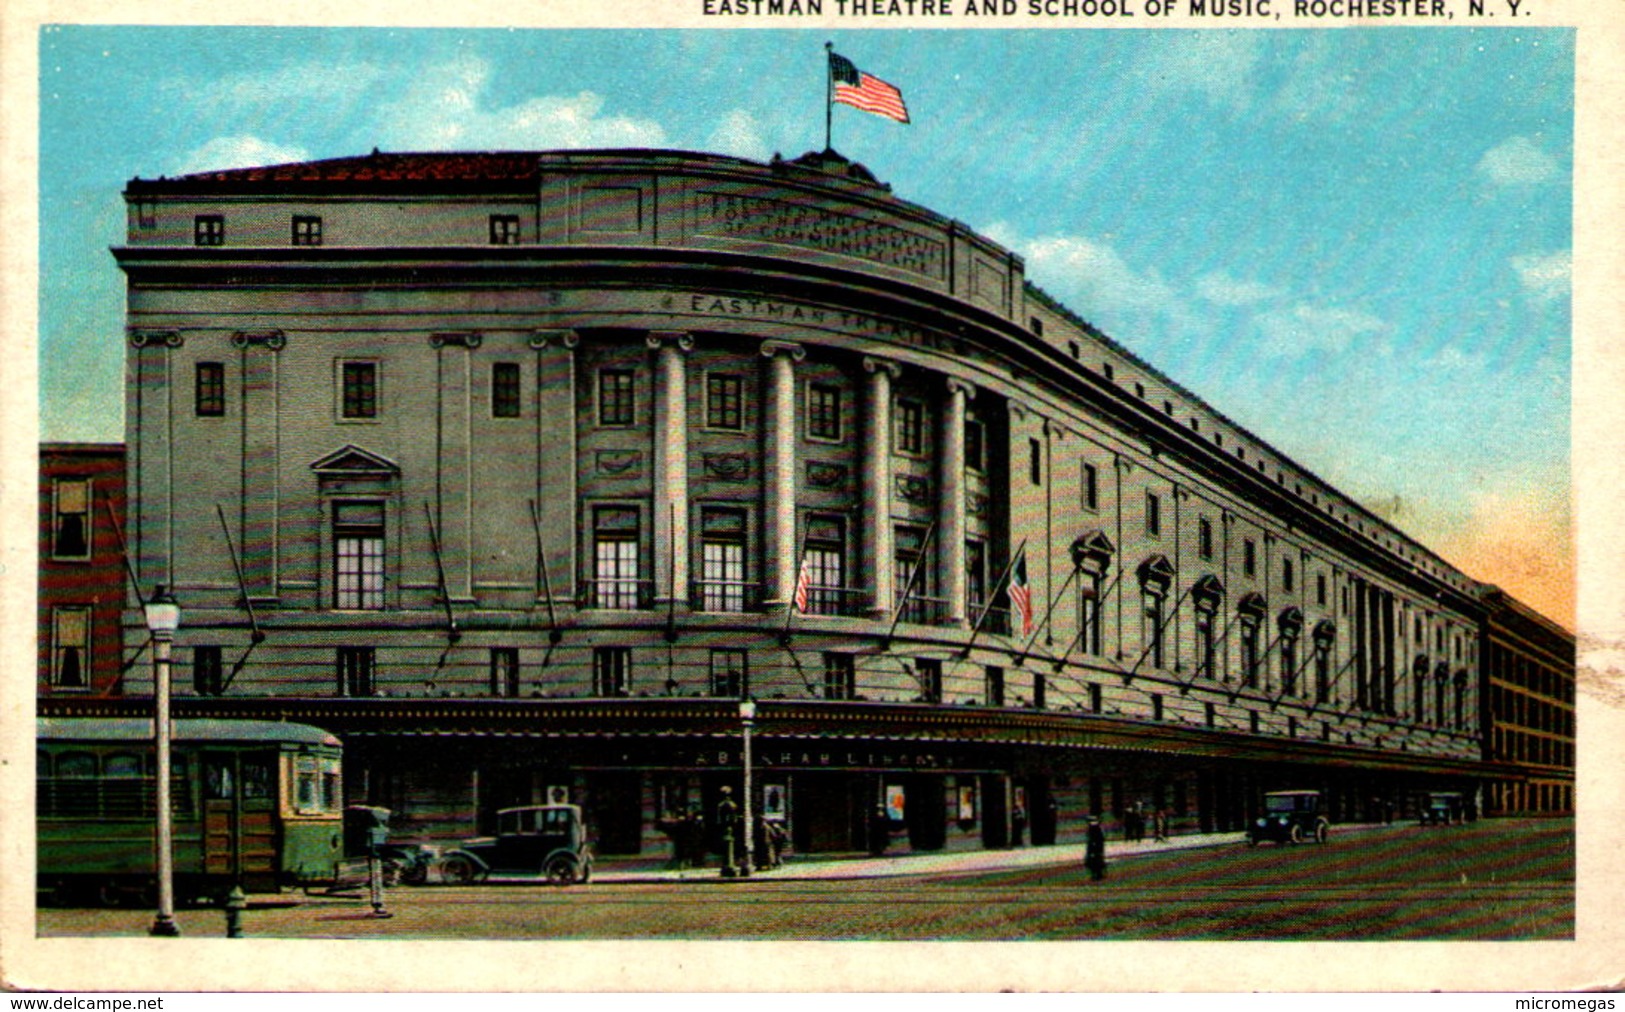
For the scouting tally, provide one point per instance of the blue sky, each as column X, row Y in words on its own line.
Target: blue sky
column 1355, row 243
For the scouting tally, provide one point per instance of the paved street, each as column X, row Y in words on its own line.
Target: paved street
column 1494, row 879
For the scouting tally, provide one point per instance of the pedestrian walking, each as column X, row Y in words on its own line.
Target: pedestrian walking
column 879, row 831
column 1159, row 825
column 1094, row 850
column 1018, row 826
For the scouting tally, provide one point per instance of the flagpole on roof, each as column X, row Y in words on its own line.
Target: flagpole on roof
column 829, row 93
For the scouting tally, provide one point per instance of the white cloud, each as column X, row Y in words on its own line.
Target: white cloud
column 1545, row 276
column 1091, row 272
column 1304, row 328
column 446, row 107
column 1517, row 161
column 738, row 134
column 1218, row 65
column 1222, row 289
column 239, row 151
column 321, row 80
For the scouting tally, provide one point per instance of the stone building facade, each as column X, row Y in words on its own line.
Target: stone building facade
column 512, row 468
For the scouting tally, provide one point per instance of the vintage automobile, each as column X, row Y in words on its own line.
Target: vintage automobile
column 535, row 841
column 1443, row 808
column 1289, row 816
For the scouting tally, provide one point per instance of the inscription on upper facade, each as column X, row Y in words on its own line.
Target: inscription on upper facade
column 738, row 216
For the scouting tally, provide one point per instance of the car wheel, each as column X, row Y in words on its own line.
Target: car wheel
column 561, row 871
column 458, row 871
column 1296, row 835
column 1320, row 833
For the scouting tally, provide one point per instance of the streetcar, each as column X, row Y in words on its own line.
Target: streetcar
column 256, row 803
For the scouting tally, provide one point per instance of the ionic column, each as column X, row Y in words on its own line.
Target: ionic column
column 670, row 465
column 877, row 480
column 951, row 503
column 779, row 474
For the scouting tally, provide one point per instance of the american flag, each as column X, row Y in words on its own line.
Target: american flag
column 1021, row 594
column 803, row 581
column 865, row 91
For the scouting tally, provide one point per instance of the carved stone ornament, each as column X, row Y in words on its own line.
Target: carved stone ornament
column 726, row 466
column 912, row 489
column 275, row 340
column 566, row 339
column 462, row 339
column 823, row 474
column 875, row 365
column 142, row 337
column 790, row 348
column 682, row 340
column 618, row 463
column 975, row 503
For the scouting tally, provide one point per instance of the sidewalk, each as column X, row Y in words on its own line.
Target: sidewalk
column 949, row 863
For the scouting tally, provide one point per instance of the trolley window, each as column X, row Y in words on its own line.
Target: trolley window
column 125, row 793
column 219, row 782
column 307, row 796
column 332, row 785
column 256, row 776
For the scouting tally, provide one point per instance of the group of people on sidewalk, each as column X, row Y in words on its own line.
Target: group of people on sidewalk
column 1135, row 819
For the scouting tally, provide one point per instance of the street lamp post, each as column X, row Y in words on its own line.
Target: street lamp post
column 747, row 717
column 163, row 618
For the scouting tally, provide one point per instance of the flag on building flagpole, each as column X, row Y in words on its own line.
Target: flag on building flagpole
column 864, row 91
column 1021, row 594
column 803, row 582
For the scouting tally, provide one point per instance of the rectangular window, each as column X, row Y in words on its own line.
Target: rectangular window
column 208, row 674
column 907, row 544
column 1035, row 462
column 70, row 527
column 1153, row 629
column 840, row 676
column 1095, row 702
column 357, row 670
column 1249, row 558
column 615, row 558
column 1090, row 487
column 1156, row 706
column 70, row 652
column 209, row 230
column 1286, row 575
column 358, row 383
column 616, row 401
column 722, row 560
column 1206, row 642
column 504, row 229
column 910, row 427
column 1039, row 687
column 307, row 230
column 975, row 577
column 825, row 563
column 358, row 555
column 505, row 398
column 724, row 401
column 975, row 449
column 505, row 671
column 612, row 671
column 928, row 672
column 1209, row 714
column 1089, row 614
column 728, row 673
column 1204, row 538
column 1249, row 652
column 824, row 411
column 210, row 399
column 995, row 686
column 1320, row 591
column 1153, row 515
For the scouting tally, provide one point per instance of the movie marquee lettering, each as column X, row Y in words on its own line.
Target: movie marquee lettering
column 806, row 759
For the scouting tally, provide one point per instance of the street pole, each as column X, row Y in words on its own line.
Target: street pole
column 163, row 617
column 747, row 716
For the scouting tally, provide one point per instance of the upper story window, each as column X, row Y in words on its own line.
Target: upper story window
column 929, row 673
column 724, row 401
column 1320, row 589
column 1153, row 515
column 1089, row 482
column 210, row 401
column 209, row 230
column 307, row 230
column 616, row 400
column 358, row 390
column 1035, row 461
column 505, row 399
column 504, row 229
column 722, row 559
column 612, row 671
column 975, row 445
column 910, row 427
column 823, row 567
column 1204, row 537
column 1249, row 557
column 358, row 555
column 840, row 676
column 824, row 411
column 208, row 674
column 357, row 670
column 70, row 527
column 70, row 648
column 1286, row 575
column 504, row 664
column 728, row 672
column 615, row 558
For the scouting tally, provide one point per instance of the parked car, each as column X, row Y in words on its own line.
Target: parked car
column 1289, row 816
column 1443, row 808
column 535, row 841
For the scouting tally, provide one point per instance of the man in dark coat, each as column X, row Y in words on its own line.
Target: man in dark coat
column 1094, row 851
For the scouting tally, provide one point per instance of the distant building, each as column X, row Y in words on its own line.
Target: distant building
column 519, row 470
column 81, row 571
column 1529, row 709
